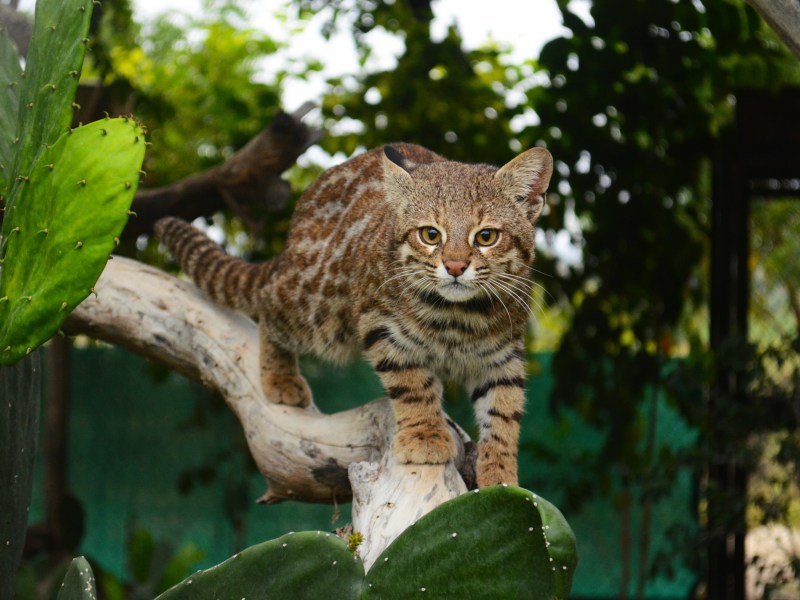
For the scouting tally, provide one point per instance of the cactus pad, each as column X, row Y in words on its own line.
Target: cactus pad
column 78, row 583
column 53, row 64
column 491, row 543
column 298, row 566
column 9, row 103
column 58, row 238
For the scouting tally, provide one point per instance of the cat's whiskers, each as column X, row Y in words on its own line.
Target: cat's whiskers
column 486, row 287
column 405, row 273
column 514, row 293
column 516, row 281
column 526, row 280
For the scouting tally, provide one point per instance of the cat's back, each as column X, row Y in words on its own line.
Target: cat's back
column 348, row 195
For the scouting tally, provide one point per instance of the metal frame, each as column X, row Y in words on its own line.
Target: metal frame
column 765, row 146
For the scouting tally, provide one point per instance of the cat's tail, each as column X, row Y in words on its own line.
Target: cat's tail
column 228, row 280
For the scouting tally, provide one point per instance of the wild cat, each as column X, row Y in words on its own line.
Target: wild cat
column 418, row 263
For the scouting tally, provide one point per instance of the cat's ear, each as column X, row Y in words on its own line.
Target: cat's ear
column 396, row 179
column 526, row 177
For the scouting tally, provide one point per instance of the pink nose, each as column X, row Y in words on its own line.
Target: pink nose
column 456, row 268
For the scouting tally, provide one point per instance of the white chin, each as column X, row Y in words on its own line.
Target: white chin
column 456, row 292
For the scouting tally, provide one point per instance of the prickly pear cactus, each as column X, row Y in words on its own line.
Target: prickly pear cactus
column 78, row 583
column 60, row 233
column 498, row 542
column 47, row 90
column 299, row 566
column 65, row 193
column 9, row 104
column 20, row 388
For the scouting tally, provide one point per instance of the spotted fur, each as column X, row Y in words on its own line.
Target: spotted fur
column 358, row 277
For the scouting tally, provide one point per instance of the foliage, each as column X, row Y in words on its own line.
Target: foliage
column 193, row 83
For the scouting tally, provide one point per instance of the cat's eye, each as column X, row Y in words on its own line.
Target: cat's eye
column 430, row 235
column 486, row 237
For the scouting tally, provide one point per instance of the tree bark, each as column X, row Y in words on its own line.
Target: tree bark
column 303, row 454
column 249, row 183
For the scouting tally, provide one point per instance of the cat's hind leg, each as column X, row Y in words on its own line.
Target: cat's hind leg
column 280, row 373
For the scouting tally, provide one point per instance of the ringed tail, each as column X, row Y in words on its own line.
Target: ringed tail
column 227, row 280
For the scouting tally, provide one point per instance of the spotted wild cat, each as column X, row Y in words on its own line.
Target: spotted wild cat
column 420, row 264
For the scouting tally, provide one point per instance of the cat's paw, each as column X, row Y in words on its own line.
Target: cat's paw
column 287, row 389
column 419, row 446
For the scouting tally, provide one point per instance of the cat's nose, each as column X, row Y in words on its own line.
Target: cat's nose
column 456, row 268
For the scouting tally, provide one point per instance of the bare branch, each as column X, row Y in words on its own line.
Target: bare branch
column 249, row 183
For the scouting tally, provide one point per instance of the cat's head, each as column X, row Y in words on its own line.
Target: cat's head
column 466, row 230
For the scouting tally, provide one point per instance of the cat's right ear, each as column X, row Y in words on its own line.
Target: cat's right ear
column 526, row 178
column 396, row 180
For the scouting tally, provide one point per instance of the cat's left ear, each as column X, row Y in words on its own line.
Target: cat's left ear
column 396, row 179
column 526, row 177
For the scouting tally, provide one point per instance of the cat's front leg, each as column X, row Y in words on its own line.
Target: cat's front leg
column 422, row 435
column 498, row 399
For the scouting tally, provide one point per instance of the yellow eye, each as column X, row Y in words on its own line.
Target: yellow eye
column 486, row 237
column 430, row 235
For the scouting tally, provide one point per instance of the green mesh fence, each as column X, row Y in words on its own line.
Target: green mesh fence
column 149, row 449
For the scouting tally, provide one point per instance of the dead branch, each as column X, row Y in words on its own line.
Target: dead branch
column 249, row 183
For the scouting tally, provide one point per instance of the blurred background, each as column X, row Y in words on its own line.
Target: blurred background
column 663, row 398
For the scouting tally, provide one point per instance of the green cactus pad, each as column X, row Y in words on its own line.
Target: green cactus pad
column 561, row 547
column 20, row 389
column 76, row 203
column 53, row 64
column 9, row 104
column 78, row 583
column 485, row 544
column 297, row 566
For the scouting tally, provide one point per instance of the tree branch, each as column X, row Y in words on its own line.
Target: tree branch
column 302, row 453
column 249, row 180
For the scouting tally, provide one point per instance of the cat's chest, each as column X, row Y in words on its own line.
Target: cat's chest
column 452, row 345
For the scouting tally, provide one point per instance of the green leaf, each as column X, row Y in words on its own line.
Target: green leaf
column 297, row 566
column 75, row 204
column 10, row 70
column 20, row 387
column 485, row 544
column 78, row 582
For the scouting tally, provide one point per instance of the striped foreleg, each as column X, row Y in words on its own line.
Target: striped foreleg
column 422, row 435
column 498, row 401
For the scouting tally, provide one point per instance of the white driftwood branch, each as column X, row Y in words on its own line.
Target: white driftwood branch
column 302, row 453
column 784, row 17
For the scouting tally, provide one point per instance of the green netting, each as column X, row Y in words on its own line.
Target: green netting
column 138, row 433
